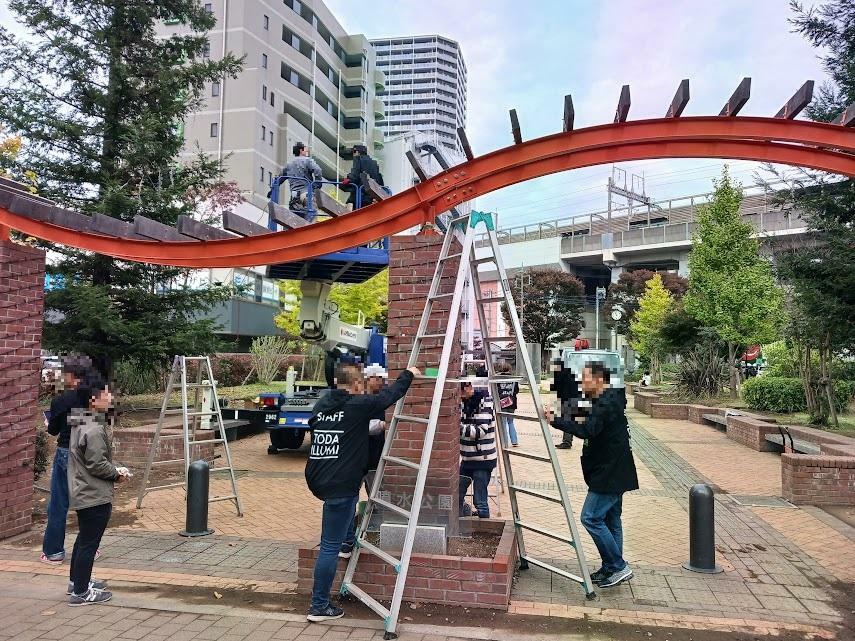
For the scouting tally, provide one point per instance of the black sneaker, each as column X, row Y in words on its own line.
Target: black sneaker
column 345, row 550
column 92, row 597
column 564, row 446
column 94, row 583
column 327, row 614
column 598, row 576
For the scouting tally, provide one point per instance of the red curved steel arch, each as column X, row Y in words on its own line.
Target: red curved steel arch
column 803, row 143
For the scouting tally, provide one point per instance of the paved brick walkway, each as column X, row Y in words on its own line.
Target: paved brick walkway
column 780, row 562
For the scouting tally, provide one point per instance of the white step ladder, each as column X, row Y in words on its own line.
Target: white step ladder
column 468, row 267
column 191, row 417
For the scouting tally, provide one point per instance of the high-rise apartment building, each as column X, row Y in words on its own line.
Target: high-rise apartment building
column 304, row 80
column 425, row 87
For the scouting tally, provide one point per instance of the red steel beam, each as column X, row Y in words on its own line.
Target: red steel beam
column 795, row 142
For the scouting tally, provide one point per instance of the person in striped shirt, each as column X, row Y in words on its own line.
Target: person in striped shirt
column 477, row 448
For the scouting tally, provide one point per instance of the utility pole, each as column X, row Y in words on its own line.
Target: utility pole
column 522, row 295
column 601, row 295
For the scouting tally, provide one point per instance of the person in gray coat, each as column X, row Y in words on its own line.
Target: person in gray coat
column 91, row 476
column 304, row 170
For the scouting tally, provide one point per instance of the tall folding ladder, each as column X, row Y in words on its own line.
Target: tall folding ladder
column 191, row 416
column 462, row 228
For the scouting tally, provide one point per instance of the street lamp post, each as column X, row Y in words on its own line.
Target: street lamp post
column 601, row 295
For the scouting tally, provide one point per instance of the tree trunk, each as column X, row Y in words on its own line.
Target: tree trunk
column 814, row 407
column 825, row 364
column 734, row 374
column 655, row 370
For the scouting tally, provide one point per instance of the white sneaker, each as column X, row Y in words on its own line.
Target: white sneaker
column 94, row 583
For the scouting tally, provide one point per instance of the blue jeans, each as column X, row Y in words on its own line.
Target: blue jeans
column 57, row 512
column 511, row 430
column 601, row 517
column 479, row 479
column 335, row 526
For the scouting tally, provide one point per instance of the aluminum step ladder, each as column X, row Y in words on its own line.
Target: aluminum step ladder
column 462, row 228
column 191, row 417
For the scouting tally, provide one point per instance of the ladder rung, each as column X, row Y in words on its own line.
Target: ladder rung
column 170, row 461
column 522, row 417
column 492, row 299
column 164, row 487
column 205, row 413
column 545, row 532
column 195, row 358
column 401, row 461
column 411, row 419
column 206, row 441
column 532, row 455
column 497, row 339
column 438, row 296
column 457, row 219
column 540, row 495
column 371, row 602
column 450, row 256
column 391, row 560
column 167, row 437
column 230, row 497
column 422, row 336
column 552, row 568
column 199, row 385
column 486, row 259
column 506, row 379
column 391, row 506
column 220, row 469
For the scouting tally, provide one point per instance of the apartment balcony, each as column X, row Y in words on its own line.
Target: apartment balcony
column 377, row 138
column 350, row 137
column 353, row 108
column 379, row 109
column 379, row 80
column 355, row 76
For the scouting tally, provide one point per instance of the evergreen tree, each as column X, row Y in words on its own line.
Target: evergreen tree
column 100, row 100
column 821, row 272
column 731, row 287
column 646, row 327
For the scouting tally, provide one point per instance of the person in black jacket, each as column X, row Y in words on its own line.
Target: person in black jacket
column 74, row 369
column 362, row 163
column 508, row 393
column 337, row 463
column 375, row 376
column 608, row 468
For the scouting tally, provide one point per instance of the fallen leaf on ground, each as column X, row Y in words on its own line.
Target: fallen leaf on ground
column 217, row 595
column 48, row 613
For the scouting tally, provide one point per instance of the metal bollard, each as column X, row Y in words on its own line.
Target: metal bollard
column 198, row 477
column 702, row 530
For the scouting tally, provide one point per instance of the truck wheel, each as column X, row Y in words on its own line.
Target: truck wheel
column 286, row 439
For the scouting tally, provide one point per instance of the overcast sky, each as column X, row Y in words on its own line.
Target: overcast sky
column 528, row 54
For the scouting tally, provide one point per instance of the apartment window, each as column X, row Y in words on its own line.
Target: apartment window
column 206, row 49
column 295, row 78
column 261, row 175
column 264, row 61
column 215, row 129
column 215, row 89
column 272, row 99
column 209, row 7
column 270, row 137
column 263, row 132
column 266, row 23
column 264, row 92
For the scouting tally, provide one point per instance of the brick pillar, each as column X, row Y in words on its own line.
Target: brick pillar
column 22, row 273
column 412, row 261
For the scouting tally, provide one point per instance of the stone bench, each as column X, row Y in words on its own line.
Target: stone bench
column 798, row 445
column 718, row 420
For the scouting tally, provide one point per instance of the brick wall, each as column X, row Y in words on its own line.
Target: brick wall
column 412, row 261
column 751, row 432
column 642, row 401
column 669, row 410
column 818, row 480
column 131, row 446
column 22, row 272
column 432, row 578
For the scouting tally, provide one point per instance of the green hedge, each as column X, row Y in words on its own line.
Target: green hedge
column 786, row 395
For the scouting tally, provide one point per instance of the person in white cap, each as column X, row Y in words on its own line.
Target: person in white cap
column 375, row 378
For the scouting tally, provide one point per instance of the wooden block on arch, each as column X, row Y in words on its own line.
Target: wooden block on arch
column 285, row 217
column 328, row 204
column 373, row 188
column 241, row 226
column 200, row 231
